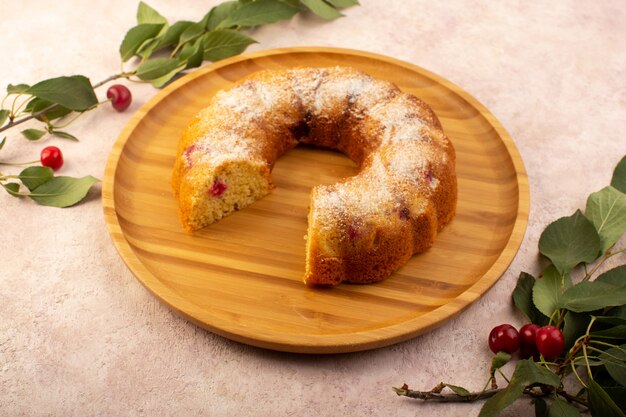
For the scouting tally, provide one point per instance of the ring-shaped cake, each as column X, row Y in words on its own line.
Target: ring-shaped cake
column 360, row 229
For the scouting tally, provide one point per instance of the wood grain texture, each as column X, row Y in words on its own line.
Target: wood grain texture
column 242, row 277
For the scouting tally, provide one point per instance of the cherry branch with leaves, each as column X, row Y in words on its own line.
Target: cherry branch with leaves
column 160, row 52
column 585, row 321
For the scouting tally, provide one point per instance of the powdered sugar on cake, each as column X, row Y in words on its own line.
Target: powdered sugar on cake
column 362, row 228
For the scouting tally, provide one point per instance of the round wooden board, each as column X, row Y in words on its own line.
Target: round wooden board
column 241, row 277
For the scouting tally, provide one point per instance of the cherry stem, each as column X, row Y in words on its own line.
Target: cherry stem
column 586, row 356
column 598, row 342
column 19, row 163
column 580, row 381
column 618, row 359
column 504, row 376
column 68, row 122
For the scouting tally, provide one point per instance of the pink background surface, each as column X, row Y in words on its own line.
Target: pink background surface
column 80, row 336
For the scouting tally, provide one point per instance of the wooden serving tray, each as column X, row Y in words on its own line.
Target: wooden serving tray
column 242, row 277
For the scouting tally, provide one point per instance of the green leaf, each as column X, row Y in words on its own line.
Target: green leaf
column 33, row 134
column 526, row 372
column 36, row 105
column 569, row 241
column 618, row 395
column 157, row 67
column 460, row 391
column 257, row 13
column 136, row 37
column 4, row 139
column 164, row 79
column 54, row 113
column 148, row 47
column 589, row 296
column 172, row 35
column 560, row 408
column 33, row 177
column 343, row 3
column 4, row 115
column 615, row 332
column 615, row 362
column 618, row 312
column 615, row 277
column 322, row 9
column 62, row 191
column 523, row 299
column 159, row 70
column 192, row 32
column 610, row 319
column 607, row 211
column 74, row 92
column 221, row 44
column 548, row 290
column 541, row 408
column 17, row 88
column 191, row 55
column 12, row 188
column 64, row 135
column 146, row 14
column 619, row 176
column 219, row 13
column 499, row 360
column 575, row 325
column 600, row 403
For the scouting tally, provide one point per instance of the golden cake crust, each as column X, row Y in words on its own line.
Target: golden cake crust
column 362, row 228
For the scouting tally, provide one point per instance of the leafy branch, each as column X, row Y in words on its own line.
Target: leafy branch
column 46, row 189
column 160, row 52
column 591, row 314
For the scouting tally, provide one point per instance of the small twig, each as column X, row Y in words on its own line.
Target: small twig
column 445, row 398
column 609, row 253
column 27, row 118
column 113, row 77
column 53, row 106
column 483, row 395
column 572, row 398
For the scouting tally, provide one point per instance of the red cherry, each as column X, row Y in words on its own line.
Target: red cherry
column 120, row 97
column 218, row 188
column 504, row 338
column 189, row 150
column 550, row 341
column 527, row 334
column 528, row 346
column 52, row 157
column 353, row 231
